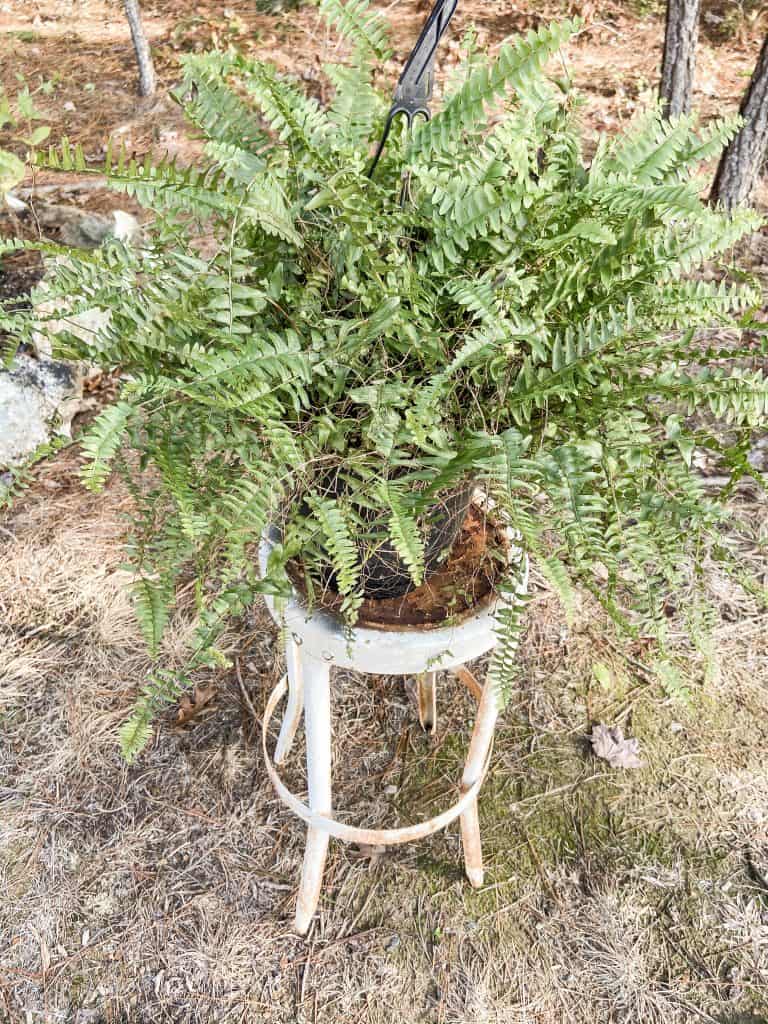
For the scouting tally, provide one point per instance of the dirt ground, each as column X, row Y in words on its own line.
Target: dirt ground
column 162, row 892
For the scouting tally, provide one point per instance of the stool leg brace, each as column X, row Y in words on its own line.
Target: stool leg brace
column 309, row 685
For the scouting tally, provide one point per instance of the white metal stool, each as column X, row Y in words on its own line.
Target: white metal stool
column 318, row 641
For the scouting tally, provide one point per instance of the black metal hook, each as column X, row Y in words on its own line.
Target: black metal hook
column 414, row 88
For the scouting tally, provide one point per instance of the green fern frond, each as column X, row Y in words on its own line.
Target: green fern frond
column 358, row 24
column 518, row 67
column 213, row 107
column 341, row 547
column 151, row 599
column 135, row 734
column 404, row 533
column 102, row 441
column 296, row 119
column 503, row 670
column 161, row 689
column 356, row 108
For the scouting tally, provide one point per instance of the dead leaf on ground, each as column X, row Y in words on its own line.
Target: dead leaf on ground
column 609, row 744
column 189, row 709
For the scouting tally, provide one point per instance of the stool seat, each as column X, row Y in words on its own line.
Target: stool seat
column 318, row 640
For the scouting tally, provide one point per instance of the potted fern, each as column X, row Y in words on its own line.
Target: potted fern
column 300, row 349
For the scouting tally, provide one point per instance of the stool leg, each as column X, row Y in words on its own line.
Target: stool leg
column 295, row 703
column 480, row 744
column 427, row 684
column 317, row 726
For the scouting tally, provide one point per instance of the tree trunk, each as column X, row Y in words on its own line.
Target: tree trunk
column 147, row 80
column 740, row 164
column 679, row 63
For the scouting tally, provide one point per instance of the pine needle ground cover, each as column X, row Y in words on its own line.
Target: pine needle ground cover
column 163, row 890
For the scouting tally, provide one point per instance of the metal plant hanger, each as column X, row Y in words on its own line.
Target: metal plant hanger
column 414, row 88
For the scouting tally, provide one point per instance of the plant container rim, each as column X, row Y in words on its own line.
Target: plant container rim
column 323, row 635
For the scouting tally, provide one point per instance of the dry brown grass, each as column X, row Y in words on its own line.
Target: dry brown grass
column 163, row 892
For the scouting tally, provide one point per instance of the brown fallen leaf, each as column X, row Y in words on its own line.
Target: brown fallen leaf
column 609, row 744
column 189, row 709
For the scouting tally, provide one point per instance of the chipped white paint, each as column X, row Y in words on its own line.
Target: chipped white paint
column 317, row 726
column 386, row 651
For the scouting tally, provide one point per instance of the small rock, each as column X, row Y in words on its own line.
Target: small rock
column 84, row 230
column 676, row 727
column 601, row 572
column 126, row 228
column 366, row 852
column 87, row 231
column 84, row 325
column 37, row 398
column 14, row 204
column 69, row 105
column 758, row 456
column 172, row 143
column 708, row 86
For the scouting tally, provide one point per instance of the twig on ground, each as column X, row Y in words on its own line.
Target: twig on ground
column 307, row 965
column 245, row 694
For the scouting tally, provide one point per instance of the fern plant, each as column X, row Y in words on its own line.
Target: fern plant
column 300, row 347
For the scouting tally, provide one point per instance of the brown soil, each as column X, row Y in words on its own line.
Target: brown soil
column 464, row 582
column 19, row 273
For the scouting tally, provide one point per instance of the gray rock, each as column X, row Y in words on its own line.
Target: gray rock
column 85, row 230
column 758, row 456
column 38, row 397
column 83, row 325
column 14, row 204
